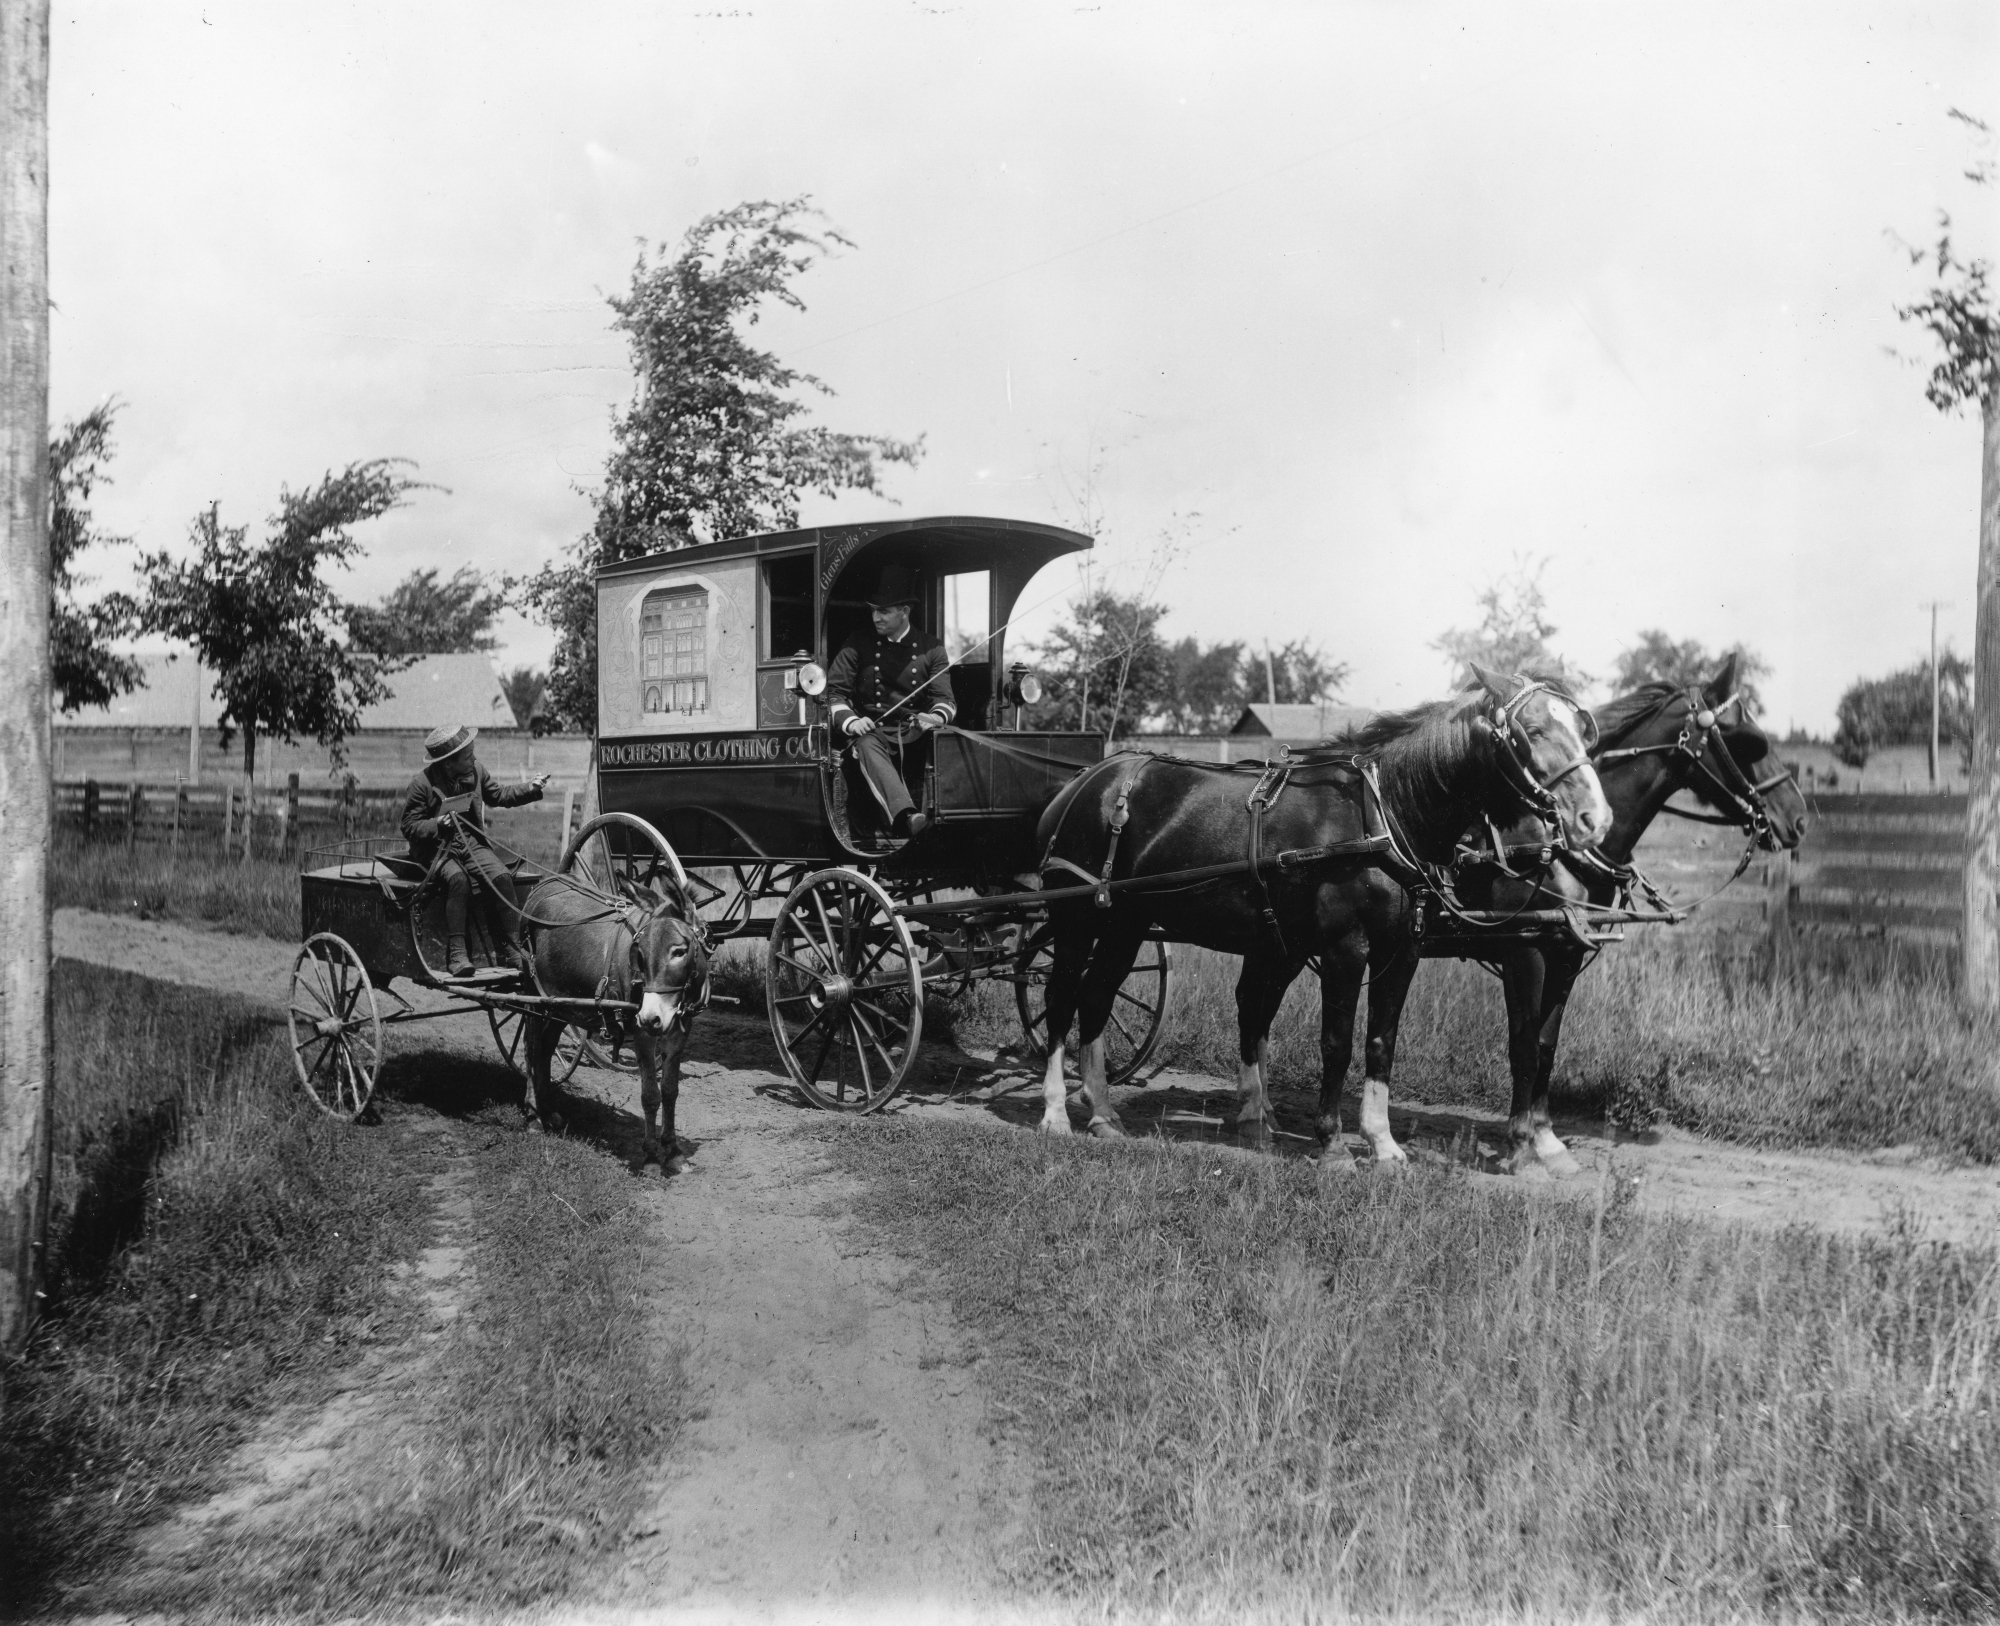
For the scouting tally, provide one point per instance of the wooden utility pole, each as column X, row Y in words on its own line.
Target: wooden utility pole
column 25, row 796
column 1980, row 967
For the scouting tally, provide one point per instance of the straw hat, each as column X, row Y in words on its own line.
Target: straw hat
column 447, row 742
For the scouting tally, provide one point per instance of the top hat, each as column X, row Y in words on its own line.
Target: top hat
column 896, row 585
column 447, row 742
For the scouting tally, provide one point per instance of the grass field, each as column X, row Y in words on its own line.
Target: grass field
column 218, row 1248
column 1249, row 1393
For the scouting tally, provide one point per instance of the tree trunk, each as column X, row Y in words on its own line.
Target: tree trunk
column 26, row 808
column 1980, row 972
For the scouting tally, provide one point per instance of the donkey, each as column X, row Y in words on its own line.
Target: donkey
column 1333, row 844
column 653, row 955
column 1658, row 740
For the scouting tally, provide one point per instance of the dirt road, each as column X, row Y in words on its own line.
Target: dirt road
column 844, row 1462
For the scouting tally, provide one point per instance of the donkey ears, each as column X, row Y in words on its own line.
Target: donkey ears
column 1720, row 687
column 1492, row 682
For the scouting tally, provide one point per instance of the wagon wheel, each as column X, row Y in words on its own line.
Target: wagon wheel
column 336, row 1027
column 510, row 1028
column 845, row 991
column 1138, row 1014
column 622, row 853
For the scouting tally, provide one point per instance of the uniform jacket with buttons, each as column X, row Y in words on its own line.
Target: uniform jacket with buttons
column 872, row 673
column 423, row 803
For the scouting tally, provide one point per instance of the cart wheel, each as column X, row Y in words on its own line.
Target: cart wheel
column 624, row 854
column 845, row 991
column 510, row 1028
column 336, row 1028
column 1138, row 1014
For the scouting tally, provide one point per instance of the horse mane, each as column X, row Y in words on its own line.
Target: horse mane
column 1617, row 717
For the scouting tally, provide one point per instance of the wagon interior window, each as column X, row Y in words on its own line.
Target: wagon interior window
column 966, row 612
column 788, row 606
column 673, row 651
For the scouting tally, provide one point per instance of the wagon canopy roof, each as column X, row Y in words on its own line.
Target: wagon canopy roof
column 950, row 544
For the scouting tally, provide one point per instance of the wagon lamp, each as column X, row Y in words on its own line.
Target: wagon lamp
column 808, row 677
column 1023, row 689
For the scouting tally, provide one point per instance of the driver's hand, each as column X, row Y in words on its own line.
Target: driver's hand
column 859, row 726
column 928, row 720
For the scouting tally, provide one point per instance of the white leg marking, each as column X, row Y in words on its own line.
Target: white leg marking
column 1055, row 1099
column 1255, row 1106
column 1375, row 1122
column 1550, row 1149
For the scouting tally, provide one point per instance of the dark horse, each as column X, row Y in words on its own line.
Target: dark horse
column 1652, row 743
column 653, row 955
column 1333, row 842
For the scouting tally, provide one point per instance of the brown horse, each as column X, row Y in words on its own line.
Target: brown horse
column 653, row 956
column 1652, row 743
column 1335, row 842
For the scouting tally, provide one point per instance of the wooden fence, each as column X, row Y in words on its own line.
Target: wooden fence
column 219, row 820
column 1882, row 866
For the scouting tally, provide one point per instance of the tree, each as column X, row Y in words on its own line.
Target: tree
column 1896, row 710
column 82, row 667
column 1958, row 312
column 1513, row 632
column 1299, row 672
column 1109, row 649
column 265, row 620
column 715, row 442
column 1204, row 687
column 524, row 688
column 424, row 616
column 1656, row 658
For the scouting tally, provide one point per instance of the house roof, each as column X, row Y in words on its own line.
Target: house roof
column 1291, row 722
column 433, row 690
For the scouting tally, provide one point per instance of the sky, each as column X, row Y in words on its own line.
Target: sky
column 1328, row 313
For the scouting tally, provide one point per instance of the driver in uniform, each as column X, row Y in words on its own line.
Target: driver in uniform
column 877, row 685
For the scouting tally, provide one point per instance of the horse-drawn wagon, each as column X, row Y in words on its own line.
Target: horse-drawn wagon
column 716, row 770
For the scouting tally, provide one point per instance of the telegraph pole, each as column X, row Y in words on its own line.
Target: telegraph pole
column 1934, row 605
column 25, row 796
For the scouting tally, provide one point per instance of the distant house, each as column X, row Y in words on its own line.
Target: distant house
column 170, row 725
column 1299, row 723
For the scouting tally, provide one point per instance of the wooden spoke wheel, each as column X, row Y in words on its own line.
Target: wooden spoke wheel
column 336, row 1026
column 845, row 991
column 510, row 1034
column 1138, row 1013
column 623, row 854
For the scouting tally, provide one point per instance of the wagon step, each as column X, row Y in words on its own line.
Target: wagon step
column 485, row 976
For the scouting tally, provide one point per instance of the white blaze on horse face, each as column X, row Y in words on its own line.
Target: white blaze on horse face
column 658, row 1010
column 1055, row 1097
column 1586, row 814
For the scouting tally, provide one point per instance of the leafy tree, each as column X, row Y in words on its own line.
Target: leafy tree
column 424, row 616
column 1299, row 673
column 265, row 620
column 83, row 669
column 1958, row 311
column 1204, row 687
column 1896, row 710
column 1105, row 667
column 1513, row 632
column 525, row 687
column 715, row 442
column 1656, row 658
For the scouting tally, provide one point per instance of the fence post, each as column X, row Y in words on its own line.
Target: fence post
column 291, row 835
column 347, row 808
column 228, row 815
column 135, row 803
column 249, row 817
column 90, row 795
column 180, row 811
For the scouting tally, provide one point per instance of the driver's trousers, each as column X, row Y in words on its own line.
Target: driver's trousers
column 880, row 755
column 469, row 864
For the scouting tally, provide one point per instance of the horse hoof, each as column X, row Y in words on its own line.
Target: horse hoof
column 1562, row 1166
column 1335, row 1159
column 532, row 1126
column 1255, row 1134
column 1055, row 1125
column 1524, row 1165
column 677, row 1164
column 1107, row 1129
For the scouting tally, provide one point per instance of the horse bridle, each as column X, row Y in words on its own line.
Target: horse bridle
column 1503, row 721
column 1701, row 737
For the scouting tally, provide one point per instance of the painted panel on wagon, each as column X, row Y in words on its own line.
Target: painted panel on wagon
column 677, row 651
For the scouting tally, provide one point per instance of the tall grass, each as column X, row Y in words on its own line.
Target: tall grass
column 1249, row 1390
column 256, row 895
column 209, row 1240
column 1860, row 1045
